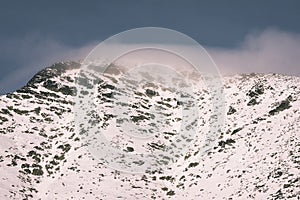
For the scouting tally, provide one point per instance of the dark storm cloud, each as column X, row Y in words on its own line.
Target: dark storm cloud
column 37, row 33
column 33, row 53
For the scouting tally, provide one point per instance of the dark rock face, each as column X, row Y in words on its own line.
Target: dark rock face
column 55, row 70
column 285, row 104
column 231, row 110
column 151, row 93
column 256, row 90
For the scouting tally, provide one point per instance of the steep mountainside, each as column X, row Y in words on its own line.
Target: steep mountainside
column 256, row 156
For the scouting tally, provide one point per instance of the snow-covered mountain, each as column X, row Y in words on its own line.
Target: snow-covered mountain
column 256, row 155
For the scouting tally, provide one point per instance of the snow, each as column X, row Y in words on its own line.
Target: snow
column 260, row 160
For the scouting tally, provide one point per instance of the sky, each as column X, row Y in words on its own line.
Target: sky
column 240, row 36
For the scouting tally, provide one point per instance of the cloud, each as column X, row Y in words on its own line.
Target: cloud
column 269, row 51
column 30, row 55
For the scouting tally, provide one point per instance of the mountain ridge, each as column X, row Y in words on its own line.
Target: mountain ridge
column 256, row 154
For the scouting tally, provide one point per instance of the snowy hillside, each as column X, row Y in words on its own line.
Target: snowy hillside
column 256, row 155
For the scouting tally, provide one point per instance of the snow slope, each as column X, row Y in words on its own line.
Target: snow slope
column 256, row 155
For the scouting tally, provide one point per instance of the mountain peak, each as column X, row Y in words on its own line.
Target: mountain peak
column 256, row 153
